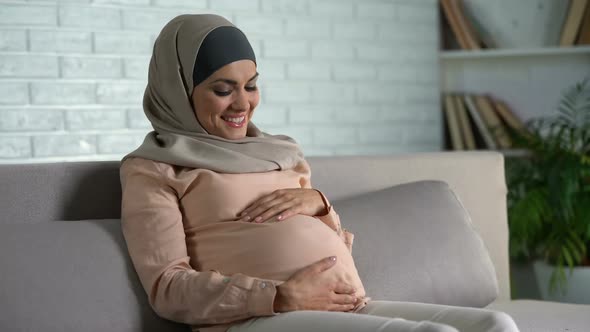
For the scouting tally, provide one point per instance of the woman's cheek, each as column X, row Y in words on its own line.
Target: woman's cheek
column 256, row 100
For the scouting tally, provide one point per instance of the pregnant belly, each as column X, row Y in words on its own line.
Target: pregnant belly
column 272, row 250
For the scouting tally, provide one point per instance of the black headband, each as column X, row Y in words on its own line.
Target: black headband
column 223, row 45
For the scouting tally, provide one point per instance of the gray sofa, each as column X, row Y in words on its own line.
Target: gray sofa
column 65, row 266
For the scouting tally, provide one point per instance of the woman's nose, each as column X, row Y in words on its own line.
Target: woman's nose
column 241, row 102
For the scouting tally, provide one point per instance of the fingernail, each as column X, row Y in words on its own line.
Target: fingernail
column 258, row 219
column 279, row 217
column 247, row 217
column 333, row 258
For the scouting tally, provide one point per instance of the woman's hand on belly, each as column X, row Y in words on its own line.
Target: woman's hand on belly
column 284, row 203
column 312, row 288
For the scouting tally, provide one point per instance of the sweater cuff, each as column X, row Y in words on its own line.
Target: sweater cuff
column 262, row 297
column 331, row 219
column 327, row 206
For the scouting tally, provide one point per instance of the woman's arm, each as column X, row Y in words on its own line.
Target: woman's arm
column 152, row 225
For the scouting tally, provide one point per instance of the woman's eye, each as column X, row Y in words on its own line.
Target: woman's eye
column 251, row 88
column 222, row 93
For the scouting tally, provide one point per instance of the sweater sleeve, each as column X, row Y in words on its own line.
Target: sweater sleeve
column 152, row 226
column 330, row 217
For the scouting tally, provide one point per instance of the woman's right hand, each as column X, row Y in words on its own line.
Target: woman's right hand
column 311, row 289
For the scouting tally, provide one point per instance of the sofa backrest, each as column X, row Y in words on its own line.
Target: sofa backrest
column 35, row 193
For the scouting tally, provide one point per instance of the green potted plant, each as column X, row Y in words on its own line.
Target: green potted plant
column 549, row 192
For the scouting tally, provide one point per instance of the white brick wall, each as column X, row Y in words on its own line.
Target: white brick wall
column 340, row 76
column 59, row 40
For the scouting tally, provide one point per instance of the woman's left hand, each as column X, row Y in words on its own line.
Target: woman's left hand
column 284, row 203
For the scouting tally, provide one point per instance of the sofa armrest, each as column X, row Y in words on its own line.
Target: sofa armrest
column 476, row 177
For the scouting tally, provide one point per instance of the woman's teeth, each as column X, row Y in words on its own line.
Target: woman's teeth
column 235, row 120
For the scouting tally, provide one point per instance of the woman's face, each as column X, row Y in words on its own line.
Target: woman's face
column 224, row 103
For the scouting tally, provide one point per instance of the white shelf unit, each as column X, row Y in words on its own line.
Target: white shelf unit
column 531, row 81
column 528, row 52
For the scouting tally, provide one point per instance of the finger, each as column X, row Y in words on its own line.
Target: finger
column 255, row 211
column 340, row 307
column 289, row 213
column 275, row 194
column 343, row 288
column 320, row 266
column 258, row 202
column 268, row 209
column 276, row 211
column 344, row 299
column 245, row 218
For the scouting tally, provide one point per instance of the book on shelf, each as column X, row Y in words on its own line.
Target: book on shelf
column 584, row 33
column 480, row 31
column 573, row 22
column 461, row 30
column 481, row 126
column 452, row 123
column 464, row 124
column 492, row 121
column 448, row 39
column 507, row 115
column 460, row 25
column 475, row 121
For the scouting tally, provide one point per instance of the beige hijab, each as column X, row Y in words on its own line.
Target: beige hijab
column 178, row 138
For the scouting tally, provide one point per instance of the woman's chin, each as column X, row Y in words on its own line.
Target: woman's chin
column 234, row 134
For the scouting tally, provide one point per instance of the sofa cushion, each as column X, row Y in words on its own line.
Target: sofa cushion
column 415, row 242
column 71, row 276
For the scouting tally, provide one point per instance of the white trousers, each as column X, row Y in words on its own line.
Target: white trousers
column 385, row 316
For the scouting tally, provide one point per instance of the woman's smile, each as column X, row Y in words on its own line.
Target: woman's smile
column 234, row 121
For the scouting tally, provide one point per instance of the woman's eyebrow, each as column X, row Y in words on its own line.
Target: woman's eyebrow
column 253, row 77
column 232, row 82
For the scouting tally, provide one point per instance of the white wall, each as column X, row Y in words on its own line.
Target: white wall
column 340, row 76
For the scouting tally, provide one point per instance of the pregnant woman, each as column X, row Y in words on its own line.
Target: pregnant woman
column 221, row 221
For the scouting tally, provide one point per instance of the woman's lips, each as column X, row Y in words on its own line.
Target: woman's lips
column 235, row 121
